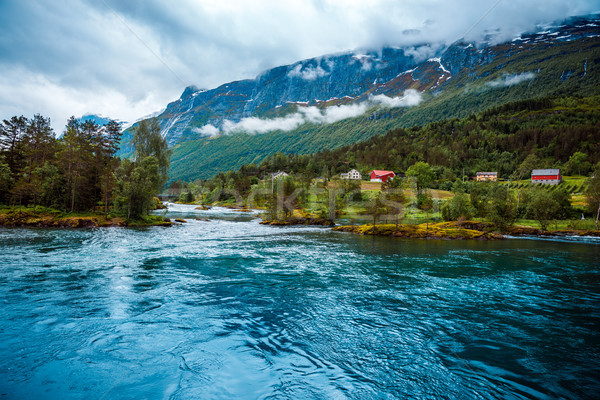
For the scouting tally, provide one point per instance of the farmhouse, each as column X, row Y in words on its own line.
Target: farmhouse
column 487, row 176
column 352, row 174
column 381, row 176
column 546, row 176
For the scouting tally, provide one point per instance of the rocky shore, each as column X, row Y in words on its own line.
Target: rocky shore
column 299, row 221
column 443, row 230
column 456, row 230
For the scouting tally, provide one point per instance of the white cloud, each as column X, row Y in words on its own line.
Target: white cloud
column 511, row 80
column 410, row 98
column 308, row 74
column 333, row 113
column 207, row 130
column 258, row 125
column 37, row 94
column 422, row 53
column 314, row 115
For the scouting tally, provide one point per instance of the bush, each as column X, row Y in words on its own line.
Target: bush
column 457, row 207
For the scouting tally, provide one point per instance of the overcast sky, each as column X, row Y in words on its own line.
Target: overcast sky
column 126, row 59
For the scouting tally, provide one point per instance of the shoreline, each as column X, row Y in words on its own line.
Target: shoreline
column 27, row 219
column 455, row 231
column 441, row 230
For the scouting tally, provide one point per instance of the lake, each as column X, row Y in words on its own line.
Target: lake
column 225, row 308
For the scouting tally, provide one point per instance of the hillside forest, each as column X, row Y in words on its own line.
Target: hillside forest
column 512, row 139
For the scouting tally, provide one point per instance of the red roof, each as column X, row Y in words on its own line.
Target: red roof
column 381, row 172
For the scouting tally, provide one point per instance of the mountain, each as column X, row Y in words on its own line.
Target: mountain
column 335, row 100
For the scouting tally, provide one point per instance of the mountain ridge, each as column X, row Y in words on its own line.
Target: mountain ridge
column 526, row 67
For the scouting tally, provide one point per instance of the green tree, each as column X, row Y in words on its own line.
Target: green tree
column 40, row 141
column 423, row 175
column 147, row 142
column 78, row 162
column 548, row 205
column 6, row 180
column 11, row 136
column 458, row 206
column 501, row 206
column 52, row 187
column 286, row 197
column 137, row 183
column 425, row 203
column 109, row 147
column 376, row 208
column 577, row 164
column 480, row 192
column 187, row 197
column 140, row 180
column 592, row 193
column 394, row 198
column 524, row 169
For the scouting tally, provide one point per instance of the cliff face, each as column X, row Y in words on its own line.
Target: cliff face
column 336, row 78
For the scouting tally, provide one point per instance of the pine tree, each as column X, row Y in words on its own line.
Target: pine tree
column 11, row 136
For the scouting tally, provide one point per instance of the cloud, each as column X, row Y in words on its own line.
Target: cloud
column 333, row 113
column 38, row 94
column 314, row 115
column 411, row 98
column 511, row 80
column 257, row 125
column 308, row 74
column 119, row 58
column 422, row 53
column 207, row 130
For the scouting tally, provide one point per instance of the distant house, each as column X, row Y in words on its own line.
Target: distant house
column 278, row 174
column 381, row 176
column 487, row 176
column 352, row 174
column 546, row 176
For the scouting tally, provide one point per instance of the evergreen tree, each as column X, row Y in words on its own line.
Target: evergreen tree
column 11, row 136
column 110, row 146
column 5, row 180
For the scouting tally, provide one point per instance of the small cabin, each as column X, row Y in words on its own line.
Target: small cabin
column 546, row 176
column 487, row 176
column 381, row 176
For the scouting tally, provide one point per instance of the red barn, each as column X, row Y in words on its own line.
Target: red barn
column 381, row 176
column 547, row 176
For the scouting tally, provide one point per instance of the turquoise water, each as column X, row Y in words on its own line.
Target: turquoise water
column 231, row 309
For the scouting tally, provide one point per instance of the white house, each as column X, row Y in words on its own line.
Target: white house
column 352, row 174
column 278, row 174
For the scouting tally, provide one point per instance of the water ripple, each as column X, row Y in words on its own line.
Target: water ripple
column 222, row 307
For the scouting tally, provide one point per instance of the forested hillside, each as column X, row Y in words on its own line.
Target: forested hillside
column 545, row 132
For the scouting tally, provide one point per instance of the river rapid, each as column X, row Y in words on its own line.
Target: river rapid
column 224, row 308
